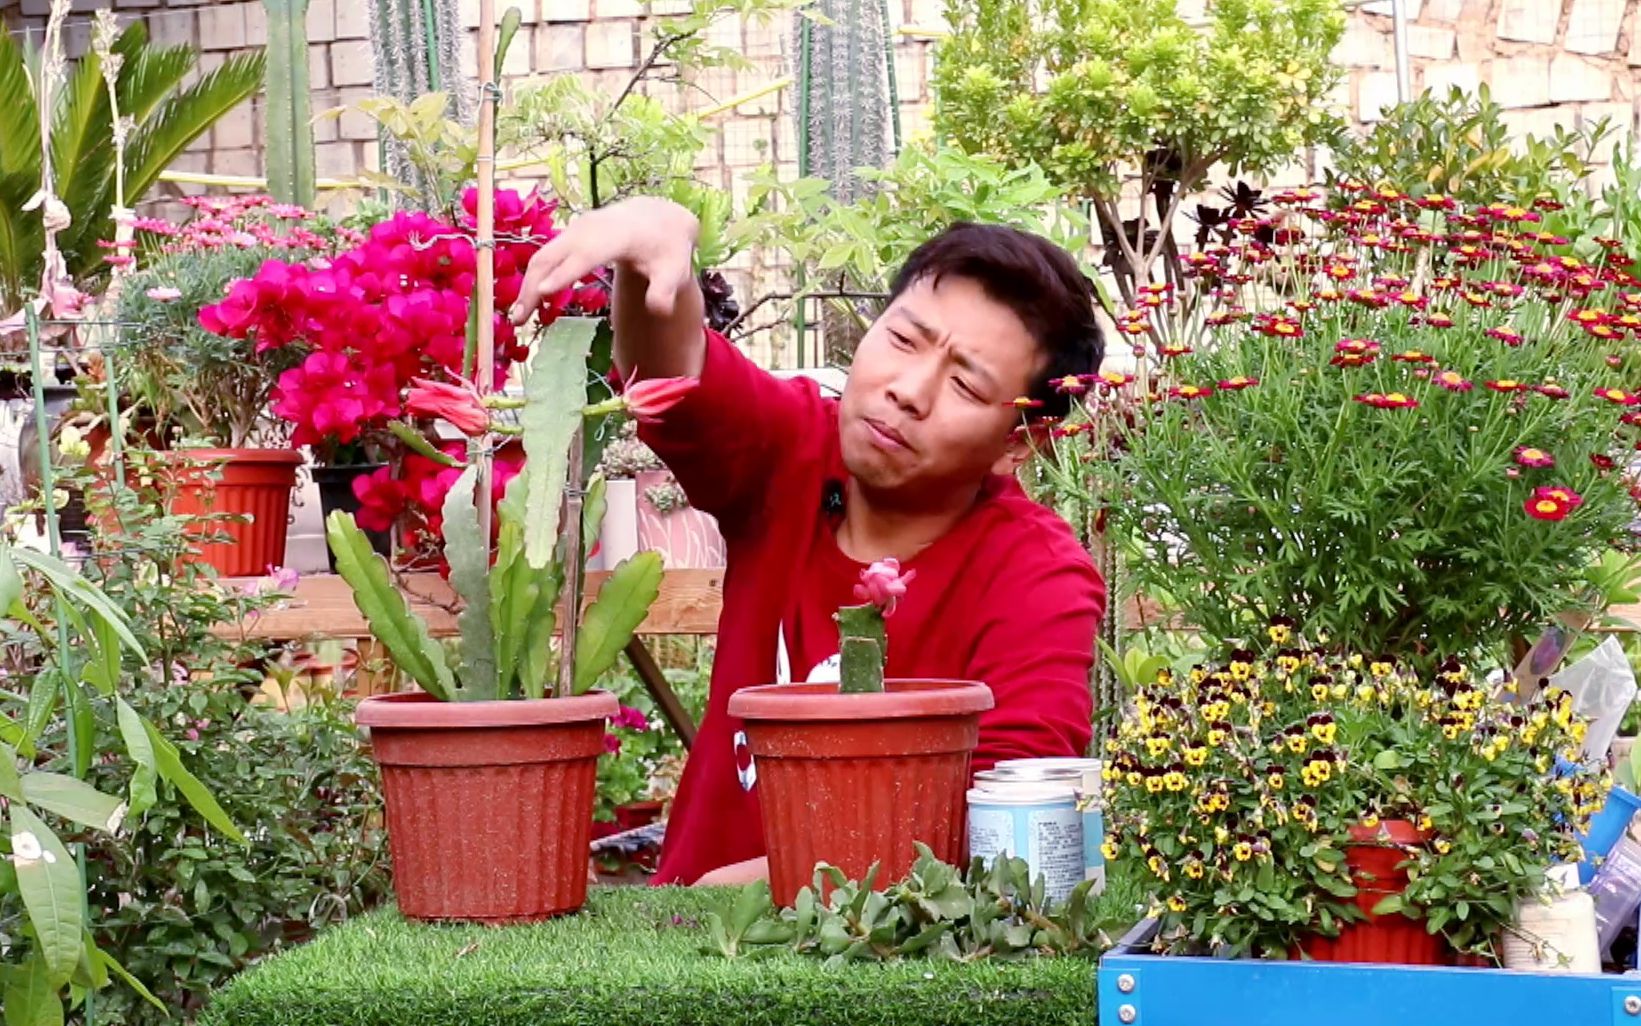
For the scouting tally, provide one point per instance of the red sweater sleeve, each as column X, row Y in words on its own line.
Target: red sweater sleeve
column 1036, row 651
column 725, row 439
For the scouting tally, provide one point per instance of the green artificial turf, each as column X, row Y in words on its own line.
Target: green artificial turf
column 633, row 956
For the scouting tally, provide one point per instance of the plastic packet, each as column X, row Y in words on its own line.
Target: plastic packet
column 1616, row 890
column 1603, row 686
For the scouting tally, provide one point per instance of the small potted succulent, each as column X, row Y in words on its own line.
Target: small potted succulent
column 820, row 749
column 489, row 770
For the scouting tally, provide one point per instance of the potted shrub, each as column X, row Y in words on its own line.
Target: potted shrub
column 202, row 395
column 1405, row 425
column 489, row 770
column 856, row 773
column 1299, row 803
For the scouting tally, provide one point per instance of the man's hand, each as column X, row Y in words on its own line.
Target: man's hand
column 652, row 239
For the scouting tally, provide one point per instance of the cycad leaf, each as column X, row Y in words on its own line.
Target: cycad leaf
column 82, row 138
column 184, row 116
column 19, row 118
column 621, row 606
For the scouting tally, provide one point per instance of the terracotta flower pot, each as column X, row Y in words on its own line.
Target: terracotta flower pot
column 250, row 483
column 489, row 804
column 1392, row 939
column 855, row 779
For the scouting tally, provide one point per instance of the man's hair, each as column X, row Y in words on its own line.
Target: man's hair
column 1036, row 279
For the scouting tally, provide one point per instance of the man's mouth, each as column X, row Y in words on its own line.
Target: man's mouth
column 886, row 437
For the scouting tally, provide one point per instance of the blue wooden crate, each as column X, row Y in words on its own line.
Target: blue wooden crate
column 1138, row 989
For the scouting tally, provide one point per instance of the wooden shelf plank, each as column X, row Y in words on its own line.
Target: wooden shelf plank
column 321, row 607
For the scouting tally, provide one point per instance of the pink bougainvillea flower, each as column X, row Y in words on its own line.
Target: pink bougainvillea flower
column 883, row 585
column 381, row 499
column 457, row 405
column 1528, row 456
column 648, row 399
column 1387, row 401
column 164, row 294
column 612, row 743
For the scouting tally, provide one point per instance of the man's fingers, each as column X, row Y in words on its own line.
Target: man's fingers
column 662, row 294
column 554, row 268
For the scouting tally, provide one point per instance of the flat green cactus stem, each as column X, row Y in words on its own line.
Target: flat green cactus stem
column 863, row 644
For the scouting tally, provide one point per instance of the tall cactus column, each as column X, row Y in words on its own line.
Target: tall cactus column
column 289, row 116
column 413, row 44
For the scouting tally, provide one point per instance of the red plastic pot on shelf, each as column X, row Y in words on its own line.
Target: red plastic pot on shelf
column 489, row 804
column 252, row 485
column 1375, row 864
column 853, row 779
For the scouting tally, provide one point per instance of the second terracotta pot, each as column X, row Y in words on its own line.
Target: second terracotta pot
column 855, row 779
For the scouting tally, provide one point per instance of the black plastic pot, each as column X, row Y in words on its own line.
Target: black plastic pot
column 335, row 486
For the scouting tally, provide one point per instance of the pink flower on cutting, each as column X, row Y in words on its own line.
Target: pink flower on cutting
column 883, row 585
column 647, row 400
column 457, row 405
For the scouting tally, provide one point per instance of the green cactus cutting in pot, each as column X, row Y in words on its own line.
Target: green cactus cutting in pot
column 498, row 712
column 863, row 639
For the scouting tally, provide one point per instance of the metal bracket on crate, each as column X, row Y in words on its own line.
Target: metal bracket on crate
column 1138, row 989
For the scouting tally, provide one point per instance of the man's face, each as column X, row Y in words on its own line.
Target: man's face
column 925, row 412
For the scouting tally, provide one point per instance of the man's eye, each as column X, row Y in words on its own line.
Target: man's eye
column 965, row 389
column 900, row 340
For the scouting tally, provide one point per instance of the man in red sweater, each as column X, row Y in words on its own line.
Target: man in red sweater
column 913, row 463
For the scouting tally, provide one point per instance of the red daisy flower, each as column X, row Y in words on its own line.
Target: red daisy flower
column 1601, row 460
column 1189, row 392
column 1173, row 349
column 1024, row 403
column 1506, row 334
column 1387, row 401
column 1115, row 379
column 1542, row 506
column 1071, row 384
column 1528, row 456
column 1618, row 395
column 1453, row 381
column 1506, row 385
column 1413, row 356
column 1238, row 383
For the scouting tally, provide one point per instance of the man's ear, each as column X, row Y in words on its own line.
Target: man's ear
column 1025, row 440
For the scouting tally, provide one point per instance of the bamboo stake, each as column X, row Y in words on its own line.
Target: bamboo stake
column 484, row 296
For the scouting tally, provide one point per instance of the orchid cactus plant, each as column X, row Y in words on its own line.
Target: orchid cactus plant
column 511, row 586
column 863, row 640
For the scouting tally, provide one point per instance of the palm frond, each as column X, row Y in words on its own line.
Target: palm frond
column 22, row 238
column 184, row 116
column 149, row 72
column 82, row 135
column 19, row 117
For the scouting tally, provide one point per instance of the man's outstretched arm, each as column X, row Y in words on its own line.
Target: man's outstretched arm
column 656, row 306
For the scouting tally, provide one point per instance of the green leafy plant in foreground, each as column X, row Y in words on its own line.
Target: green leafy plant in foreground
column 72, row 672
column 939, row 911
